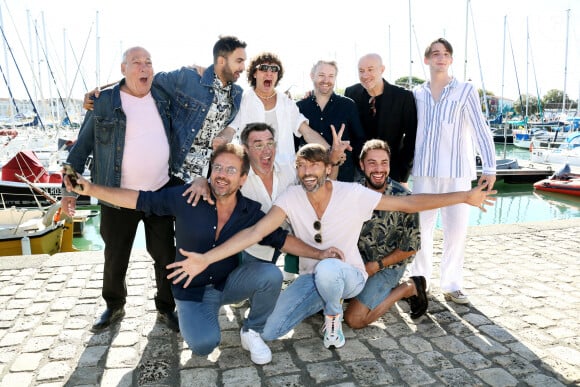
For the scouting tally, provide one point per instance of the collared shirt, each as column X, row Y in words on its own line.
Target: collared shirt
column 450, row 131
column 390, row 230
column 337, row 111
column 195, row 230
column 253, row 188
column 196, row 162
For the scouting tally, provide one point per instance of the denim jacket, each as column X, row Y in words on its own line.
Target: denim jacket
column 190, row 96
column 103, row 134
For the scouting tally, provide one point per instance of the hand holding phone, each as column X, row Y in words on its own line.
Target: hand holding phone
column 72, row 176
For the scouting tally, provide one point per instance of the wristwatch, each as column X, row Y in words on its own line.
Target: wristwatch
column 381, row 266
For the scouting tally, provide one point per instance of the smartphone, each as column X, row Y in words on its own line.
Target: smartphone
column 72, row 175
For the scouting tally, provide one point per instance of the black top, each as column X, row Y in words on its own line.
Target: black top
column 395, row 122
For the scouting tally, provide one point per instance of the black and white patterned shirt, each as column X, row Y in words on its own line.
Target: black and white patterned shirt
column 196, row 162
column 389, row 230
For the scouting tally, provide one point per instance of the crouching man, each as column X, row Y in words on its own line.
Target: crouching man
column 204, row 227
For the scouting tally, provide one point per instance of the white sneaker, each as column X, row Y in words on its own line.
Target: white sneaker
column 333, row 335
column 456, row 296
column 289, row 277
column 259, row 351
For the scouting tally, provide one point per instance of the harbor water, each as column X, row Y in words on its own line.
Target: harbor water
column 516, row 203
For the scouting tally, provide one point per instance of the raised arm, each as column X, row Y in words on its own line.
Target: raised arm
column 121, row 197
column 477, row 197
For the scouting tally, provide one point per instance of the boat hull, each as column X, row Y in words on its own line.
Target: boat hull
column 47, row 241
column 16, row 194
column 568, row 187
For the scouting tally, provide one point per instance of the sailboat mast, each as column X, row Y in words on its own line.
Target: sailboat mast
column 503, row 64
column 566, row 62
column 527, row 63
column 410, row 51
column 6, row 74
column 465, row 48
column 97, row 65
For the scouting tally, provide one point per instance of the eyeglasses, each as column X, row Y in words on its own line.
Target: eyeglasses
column 218, row 168
column 266, row 67
column 260, row 146
column 318, row 236
column 373, row 106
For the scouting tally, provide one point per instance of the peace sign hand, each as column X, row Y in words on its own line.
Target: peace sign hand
column 337, row 155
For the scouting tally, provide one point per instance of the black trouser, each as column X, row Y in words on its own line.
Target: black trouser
column 118, row 229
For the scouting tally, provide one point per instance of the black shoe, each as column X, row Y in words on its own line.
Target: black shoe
column 420, row 302
column 169, row 318
column 109, row 316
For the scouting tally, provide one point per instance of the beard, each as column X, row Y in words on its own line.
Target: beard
column 221, row 192
column 370, row 182
column 319, row 182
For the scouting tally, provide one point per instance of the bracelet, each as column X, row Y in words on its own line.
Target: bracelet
column 381, row 265
column 338, row 163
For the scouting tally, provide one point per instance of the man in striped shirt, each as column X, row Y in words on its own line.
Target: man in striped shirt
column 451, row 128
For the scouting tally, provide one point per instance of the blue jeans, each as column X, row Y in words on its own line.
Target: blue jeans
column 380, row 285
column 198, row 321
column 331, row 282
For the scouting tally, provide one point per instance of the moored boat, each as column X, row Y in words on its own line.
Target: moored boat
column 30, row 231
column 563, row 182
column 14, row 191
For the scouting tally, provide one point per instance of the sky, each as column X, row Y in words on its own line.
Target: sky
column 492, row 51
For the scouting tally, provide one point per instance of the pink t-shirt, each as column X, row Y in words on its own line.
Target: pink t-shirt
column 145, row 163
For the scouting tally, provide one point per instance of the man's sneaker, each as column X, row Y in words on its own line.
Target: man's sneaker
column 259, row 351
column 456, row 296
column 333, row 335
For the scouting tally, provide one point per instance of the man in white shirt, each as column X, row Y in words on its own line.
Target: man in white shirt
column 450, row 129
column 267, row 178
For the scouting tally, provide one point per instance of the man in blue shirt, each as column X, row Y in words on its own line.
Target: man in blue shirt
column 201, row 228
column 324, row 108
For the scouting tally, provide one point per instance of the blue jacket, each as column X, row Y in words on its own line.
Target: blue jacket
column 103, row 134
column 190, row 96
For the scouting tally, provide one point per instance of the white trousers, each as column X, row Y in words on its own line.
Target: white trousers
column 455, row 220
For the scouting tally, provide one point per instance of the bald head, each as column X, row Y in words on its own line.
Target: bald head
column 370, row 73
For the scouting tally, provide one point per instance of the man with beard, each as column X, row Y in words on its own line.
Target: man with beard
column 387, row 243
column 201, row 228
column 323, row 108
column 322, row 213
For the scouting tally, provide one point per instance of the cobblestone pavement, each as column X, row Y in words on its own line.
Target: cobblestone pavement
column 521, row 328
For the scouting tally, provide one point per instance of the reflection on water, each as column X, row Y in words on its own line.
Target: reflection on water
column 517, row 203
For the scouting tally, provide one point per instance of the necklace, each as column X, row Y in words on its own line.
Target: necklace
column 266, row 98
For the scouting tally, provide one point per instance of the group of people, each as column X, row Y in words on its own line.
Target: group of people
column 231, row 179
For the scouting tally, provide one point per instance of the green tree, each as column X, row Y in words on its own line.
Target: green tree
column 520, row 105
column 404, row 82
column 553, row 100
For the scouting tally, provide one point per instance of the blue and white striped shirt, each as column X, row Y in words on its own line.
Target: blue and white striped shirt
column 449, row 133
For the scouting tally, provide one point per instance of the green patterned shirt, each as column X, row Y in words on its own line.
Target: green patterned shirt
column 389, row 230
